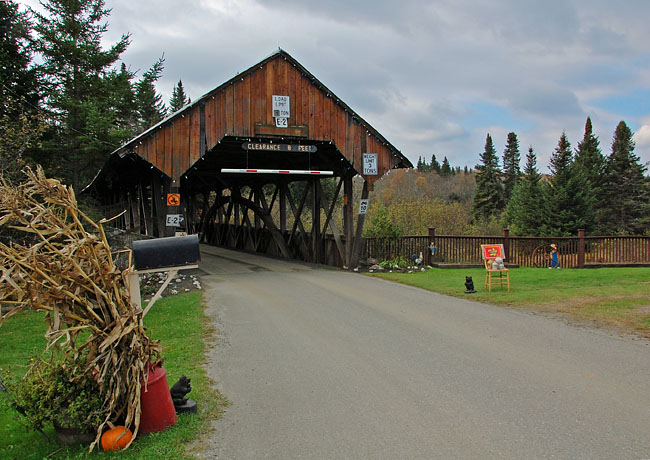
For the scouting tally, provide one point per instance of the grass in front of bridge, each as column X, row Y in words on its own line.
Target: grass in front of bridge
column 183, row 329
column 618, row 297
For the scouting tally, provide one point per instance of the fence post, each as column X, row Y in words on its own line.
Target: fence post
column 432, row 235
column 581, row 248
column 506, row 244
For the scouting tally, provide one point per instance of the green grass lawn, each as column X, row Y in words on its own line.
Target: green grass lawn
column 182, row 327
column 618, row 297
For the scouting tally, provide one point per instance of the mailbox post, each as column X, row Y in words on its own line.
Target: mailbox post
column 169, row 255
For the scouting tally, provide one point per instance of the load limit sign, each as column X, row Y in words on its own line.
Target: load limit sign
column 369, row 164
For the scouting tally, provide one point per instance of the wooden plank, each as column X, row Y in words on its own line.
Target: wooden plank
column 195, row 143
column 313, row 116
column 237, row 105
column 256, row 103
column 341, row 128
column 229, row 114
column 327, row 117
column 202, row 132
column 221, row 115
column 210, row 123
column 169, row 148
column 304, row 101
column 294, row 105
column 247, row 126
column 159, row 136
column 180, row 152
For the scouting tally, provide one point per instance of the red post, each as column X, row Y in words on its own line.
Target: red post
column 581, row 248
column 432, row 235
column 506, row 244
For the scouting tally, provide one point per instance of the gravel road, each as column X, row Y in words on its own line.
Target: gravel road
column 323, row 364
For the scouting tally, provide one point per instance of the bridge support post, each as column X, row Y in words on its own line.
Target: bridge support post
column 315, row 221
column 348, row 218
column 358, row 239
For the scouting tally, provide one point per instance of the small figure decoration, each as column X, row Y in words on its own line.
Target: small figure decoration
column 498, row 264
column 178, row 392
column 469, row 285
column 555, row 260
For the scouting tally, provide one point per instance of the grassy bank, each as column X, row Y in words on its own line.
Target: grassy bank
column 181, row 326
column 612, row 297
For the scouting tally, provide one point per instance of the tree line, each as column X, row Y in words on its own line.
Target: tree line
column 64, row 102
column 602, row 194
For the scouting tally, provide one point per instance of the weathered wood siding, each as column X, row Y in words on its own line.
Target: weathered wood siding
column 243, row 106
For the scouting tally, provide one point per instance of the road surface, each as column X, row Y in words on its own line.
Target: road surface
column 323, row 364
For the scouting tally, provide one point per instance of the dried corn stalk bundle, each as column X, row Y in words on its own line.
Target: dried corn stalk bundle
column 68, row 272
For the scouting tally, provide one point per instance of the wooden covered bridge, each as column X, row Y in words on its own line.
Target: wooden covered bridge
column 243, row 166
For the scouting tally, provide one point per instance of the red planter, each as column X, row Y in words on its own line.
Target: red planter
column 158, row 411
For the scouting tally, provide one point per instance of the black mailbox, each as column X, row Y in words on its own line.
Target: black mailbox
column 174, row 251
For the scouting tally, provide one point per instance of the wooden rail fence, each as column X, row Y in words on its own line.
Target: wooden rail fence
column 575, row 252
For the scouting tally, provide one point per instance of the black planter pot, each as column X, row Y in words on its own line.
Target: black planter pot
column 69, row 436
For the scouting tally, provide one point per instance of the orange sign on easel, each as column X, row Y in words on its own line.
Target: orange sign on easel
column 173, row 199
column 491, row 251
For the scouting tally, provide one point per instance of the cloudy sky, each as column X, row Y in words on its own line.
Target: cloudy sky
column 434, row 77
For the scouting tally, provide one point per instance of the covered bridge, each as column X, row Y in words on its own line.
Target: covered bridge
column 243, row 166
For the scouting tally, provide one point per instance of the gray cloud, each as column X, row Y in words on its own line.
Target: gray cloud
column 414, row 68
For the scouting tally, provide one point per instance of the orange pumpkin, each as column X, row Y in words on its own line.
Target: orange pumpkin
column 116, row 438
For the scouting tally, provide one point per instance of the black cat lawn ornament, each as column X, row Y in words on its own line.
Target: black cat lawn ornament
column 469, row 285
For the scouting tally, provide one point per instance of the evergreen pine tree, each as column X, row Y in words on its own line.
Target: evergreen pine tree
column 569, row 204
column 511, row 171
column 434, row 166
column 19, row 84
column 75, row 68
column 625, row 186
column 589, row 160
column 179, row 99
column 488, row 196
column 419, row 166
column 21, row 121
column 445, row 169
column 523, row 211
column 151, row 107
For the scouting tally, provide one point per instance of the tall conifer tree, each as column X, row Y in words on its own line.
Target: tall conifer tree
column 488, row 196
column 75, row 68
column 21, row 121
column 589, row 160
column 524, row 210
column 569, row 204
column 445, row 169
column 626, row 209
column 179, row 99
column 434, row 166
column 511, row 170
column 151, row 107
